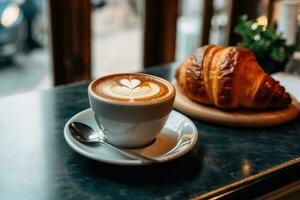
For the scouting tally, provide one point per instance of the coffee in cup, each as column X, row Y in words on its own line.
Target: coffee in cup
column 131, row 107
column 131, row 88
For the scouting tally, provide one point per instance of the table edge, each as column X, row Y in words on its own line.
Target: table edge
column 222, row 191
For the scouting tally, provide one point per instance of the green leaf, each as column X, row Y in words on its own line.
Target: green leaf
column 264, row 43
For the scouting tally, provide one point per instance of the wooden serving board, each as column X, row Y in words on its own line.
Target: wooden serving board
column 237, row 118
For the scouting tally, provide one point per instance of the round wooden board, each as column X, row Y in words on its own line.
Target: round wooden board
column 237, row 118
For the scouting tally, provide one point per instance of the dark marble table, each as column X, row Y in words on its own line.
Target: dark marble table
column 37, row 163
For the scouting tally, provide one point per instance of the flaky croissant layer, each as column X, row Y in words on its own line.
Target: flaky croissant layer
column 229, row 78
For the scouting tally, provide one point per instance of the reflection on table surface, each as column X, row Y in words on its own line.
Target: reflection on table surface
column 36, row 162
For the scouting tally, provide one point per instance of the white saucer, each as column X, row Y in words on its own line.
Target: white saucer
column 177, row 138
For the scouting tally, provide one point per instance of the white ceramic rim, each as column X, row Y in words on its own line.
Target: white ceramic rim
column 168, row 83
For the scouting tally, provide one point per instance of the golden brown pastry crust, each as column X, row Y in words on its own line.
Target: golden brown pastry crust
column 229, row 78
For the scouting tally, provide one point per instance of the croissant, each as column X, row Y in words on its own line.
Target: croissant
column 229, row 78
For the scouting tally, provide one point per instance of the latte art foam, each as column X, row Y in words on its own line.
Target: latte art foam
column 131, row 88
column 128, row 92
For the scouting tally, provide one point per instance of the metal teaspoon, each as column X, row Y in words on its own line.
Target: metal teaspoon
column 84, row 133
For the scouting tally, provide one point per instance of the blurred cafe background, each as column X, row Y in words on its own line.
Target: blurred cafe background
column 49, row 43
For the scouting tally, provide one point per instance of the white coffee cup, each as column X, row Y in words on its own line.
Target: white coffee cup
column 130, row 124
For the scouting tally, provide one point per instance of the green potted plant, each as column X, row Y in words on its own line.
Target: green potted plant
column 268, row 45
